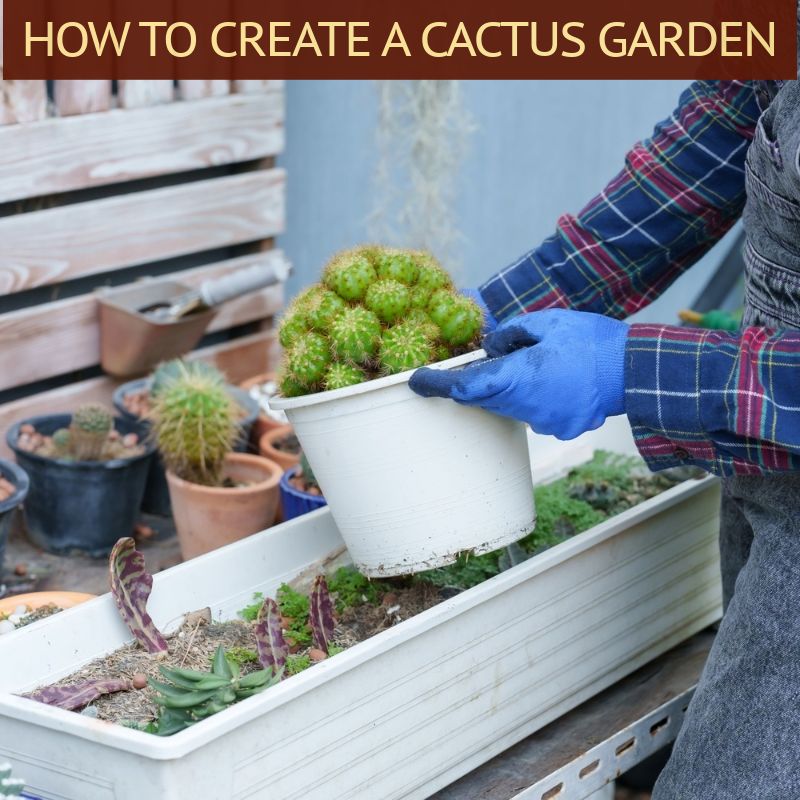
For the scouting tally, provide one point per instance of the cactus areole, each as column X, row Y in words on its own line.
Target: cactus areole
column 377, row 311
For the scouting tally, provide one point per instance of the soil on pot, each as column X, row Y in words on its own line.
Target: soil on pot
column 298, row 481
column 117, row 445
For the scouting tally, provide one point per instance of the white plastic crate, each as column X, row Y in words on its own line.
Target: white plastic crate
column 410, row 710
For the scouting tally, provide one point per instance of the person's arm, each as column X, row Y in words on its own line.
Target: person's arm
column 679, row 192
column 727, row 402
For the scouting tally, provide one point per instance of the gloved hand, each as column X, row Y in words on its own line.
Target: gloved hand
column 489, row 322
column 562, row 372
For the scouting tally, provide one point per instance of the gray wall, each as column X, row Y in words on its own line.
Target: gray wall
column 539, row 149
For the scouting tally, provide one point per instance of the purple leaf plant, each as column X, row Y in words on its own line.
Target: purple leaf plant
column 321, row 614
column 79, row 695
column 272, row 647
column 131, row 584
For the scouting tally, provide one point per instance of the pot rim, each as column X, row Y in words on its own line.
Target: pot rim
column 279, row 403
column 16, row 475
column 274, row 479
column 287, row 487
column 12, row 434
column 282, row 431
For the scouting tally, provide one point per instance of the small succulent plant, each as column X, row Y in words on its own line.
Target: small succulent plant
column 88, row 432
column 9, row 787
column 195, row 422
column 377, row 311
column 188, row 696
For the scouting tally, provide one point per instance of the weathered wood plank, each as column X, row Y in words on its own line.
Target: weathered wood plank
column 141, row 94
column 22, row 101
column 81, row 97
column 239, row 359
column 45, row 247
column 195, row 90
column 57, row 338
column 59, row 155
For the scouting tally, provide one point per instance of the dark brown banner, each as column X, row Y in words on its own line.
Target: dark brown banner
column 506, row 39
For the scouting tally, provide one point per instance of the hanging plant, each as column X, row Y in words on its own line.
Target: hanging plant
column 423, row 134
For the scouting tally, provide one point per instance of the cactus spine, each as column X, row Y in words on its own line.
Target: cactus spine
column 377, row 311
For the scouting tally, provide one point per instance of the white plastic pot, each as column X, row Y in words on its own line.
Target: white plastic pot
column 411, row 481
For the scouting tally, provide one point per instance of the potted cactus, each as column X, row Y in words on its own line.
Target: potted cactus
column 13, row 490
column 218, row 496
column 351, row 344
column 87, row 473
column 133, row 400
column 300, row 492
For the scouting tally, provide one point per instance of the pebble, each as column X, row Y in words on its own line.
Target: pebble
column 130, row 440
column 139, row 680
column 317, row 655
column 14, row 619
column 389, row 599
column 21, row 610
column 21, row 570
column 89, row 711
column 6, row 626
column 27, row 428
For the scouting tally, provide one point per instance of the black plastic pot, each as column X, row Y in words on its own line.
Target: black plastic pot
column 81, row 505
column 16, row 475
column 156, row 494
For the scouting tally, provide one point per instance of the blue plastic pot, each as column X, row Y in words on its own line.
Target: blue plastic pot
column 81, row 505
column 16, row 475
column 156, row 494
column 294, row 502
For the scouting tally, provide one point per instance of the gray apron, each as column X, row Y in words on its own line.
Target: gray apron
column 741, row 735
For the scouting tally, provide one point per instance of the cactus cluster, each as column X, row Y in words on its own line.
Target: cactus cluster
column 195, row 421
column 377, row 311
column 9, row 787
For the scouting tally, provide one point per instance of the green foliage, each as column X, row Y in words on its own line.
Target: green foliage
column 88, row 431
column 195, row 423
column 250, row 612
column 381, row 310
column 295, row 606
column 242, row 656
column 351, row 588
column 9, row 787
column 468, row 571
column 297, row 662
column 307, row 472
column 188, row 696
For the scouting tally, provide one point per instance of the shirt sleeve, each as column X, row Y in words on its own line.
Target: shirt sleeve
column 679, row 192
column 727, row 402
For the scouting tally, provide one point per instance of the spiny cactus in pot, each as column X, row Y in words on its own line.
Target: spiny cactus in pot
column 377, row 311
column 194, row 422
column 88, row 431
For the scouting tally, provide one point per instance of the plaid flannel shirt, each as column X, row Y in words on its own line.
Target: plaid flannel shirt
column 725, row 402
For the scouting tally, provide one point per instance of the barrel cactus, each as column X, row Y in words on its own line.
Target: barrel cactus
column 195, row 423
column 377, row 311
column 88, row 431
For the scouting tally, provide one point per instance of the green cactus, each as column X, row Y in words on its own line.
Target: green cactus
column 168, row 371
column 355, row 335
column 397, row 265
column 340, row 375
column 350, row 274
column 307, row 359
column 388, row 299
column 187, row 696
column 404, row 347
column 378, row 310
column 195, row 425
column 9, row 787
column 89, row 431
column 62, row 443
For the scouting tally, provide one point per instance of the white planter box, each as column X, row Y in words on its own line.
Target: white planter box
column 398, row 716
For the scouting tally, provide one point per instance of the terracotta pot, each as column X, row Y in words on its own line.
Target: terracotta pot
column 264, row 422
column 266, row 447
column 208, row 517
column 36, row 600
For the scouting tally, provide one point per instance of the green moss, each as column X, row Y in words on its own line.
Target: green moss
column 295, row 607
column 297, row 663
column 351, row 588
column 241, row 656
column 250, row 613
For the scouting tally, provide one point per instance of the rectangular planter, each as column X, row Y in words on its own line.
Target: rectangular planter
column 402, row 714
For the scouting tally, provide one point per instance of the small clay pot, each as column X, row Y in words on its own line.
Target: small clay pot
column 266, row 447
column 208, row 517
column 34, row 600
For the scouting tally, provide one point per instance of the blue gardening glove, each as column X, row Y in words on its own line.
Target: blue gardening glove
column 489, row 322
column 562, row 372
